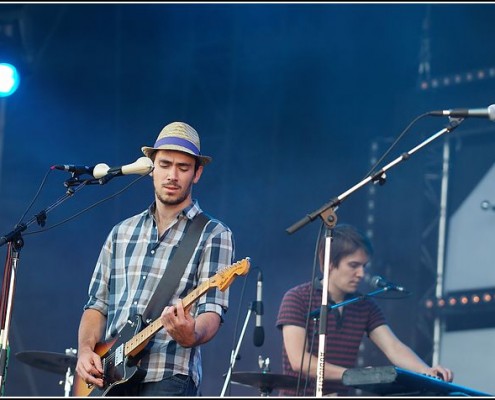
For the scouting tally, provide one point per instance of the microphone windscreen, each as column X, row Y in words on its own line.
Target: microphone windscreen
column 100, row 170
column 259, row 336
column 142, row 166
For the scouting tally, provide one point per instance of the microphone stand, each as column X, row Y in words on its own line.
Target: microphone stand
column 16, row 243
column 233, row 357
column 314, row 313
column 327, row 214
column 330, row 220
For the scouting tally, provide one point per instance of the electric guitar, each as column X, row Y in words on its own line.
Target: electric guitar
column 120, row 355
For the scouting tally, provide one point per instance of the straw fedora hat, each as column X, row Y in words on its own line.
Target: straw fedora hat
column 178, row 136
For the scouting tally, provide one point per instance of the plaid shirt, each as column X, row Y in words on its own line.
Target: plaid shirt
column 129, row 267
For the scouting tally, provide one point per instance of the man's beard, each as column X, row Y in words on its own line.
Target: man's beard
column 178, row 200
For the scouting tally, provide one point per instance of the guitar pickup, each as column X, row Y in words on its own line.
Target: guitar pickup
column 119, row 354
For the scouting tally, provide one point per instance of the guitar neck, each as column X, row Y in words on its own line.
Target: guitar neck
column 139, row 341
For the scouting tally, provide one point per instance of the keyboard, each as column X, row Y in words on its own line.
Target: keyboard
column 390, row 380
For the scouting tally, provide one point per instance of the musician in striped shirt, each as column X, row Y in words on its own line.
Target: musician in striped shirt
column 350, row 252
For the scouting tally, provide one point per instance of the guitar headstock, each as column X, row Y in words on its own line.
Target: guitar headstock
column 226, row 276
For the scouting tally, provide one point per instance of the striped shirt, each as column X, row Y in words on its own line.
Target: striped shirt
column 128, row 270
column 344, row 333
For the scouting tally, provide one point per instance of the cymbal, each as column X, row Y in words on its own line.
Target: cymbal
column 52, row 362
column 265, row 381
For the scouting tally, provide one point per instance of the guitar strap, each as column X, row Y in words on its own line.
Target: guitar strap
column 175, row 268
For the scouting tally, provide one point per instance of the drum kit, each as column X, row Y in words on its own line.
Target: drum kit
column 266, row 382
column 61, row 364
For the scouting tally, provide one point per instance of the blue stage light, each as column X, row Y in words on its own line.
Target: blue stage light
column 9, row 79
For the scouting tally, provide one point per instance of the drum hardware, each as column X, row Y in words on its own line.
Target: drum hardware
column 62, row 364
column 266, row 382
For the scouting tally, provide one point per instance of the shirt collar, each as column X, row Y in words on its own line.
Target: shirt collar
column 188, row 212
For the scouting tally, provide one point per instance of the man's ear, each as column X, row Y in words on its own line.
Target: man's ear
column 198, row 173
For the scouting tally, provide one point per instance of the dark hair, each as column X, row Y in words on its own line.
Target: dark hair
column 346, row 240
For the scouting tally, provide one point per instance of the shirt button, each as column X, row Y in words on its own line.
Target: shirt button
column 152, row 251
column 144, row 277
column 135, row 303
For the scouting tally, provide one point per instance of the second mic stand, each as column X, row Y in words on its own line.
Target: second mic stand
column 326, row 213
column 330, row 220
column 235, row 352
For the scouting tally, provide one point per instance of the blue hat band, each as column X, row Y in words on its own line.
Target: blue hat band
column 178, row 142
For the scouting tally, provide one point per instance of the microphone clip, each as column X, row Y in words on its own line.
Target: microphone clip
column 75, row 181
column 257, row 307
column 454, row 122
column 105, row 179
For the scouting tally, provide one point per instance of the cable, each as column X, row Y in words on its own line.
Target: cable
column 315, row 263
column 87, row 208
column 395, row 142
column 35, row 196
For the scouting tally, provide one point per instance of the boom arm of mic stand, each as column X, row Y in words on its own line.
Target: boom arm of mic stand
column 75, row 181
column 40, row 218
column 313, row 314
column 8, row 285
column 454, row 123
column 311, row 217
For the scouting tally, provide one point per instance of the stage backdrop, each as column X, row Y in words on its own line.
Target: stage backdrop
column 287, row 98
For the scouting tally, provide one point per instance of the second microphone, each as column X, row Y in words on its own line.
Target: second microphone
column 259, row 333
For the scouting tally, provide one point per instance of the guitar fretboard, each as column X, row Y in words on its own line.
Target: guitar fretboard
column 136, row 344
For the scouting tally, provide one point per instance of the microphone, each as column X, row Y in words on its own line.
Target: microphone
column 142, row 166
column 76, row 169
column 259, row 333
column 488, row 112
column 379, row 282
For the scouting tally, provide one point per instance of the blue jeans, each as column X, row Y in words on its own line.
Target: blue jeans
column 175, row 385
